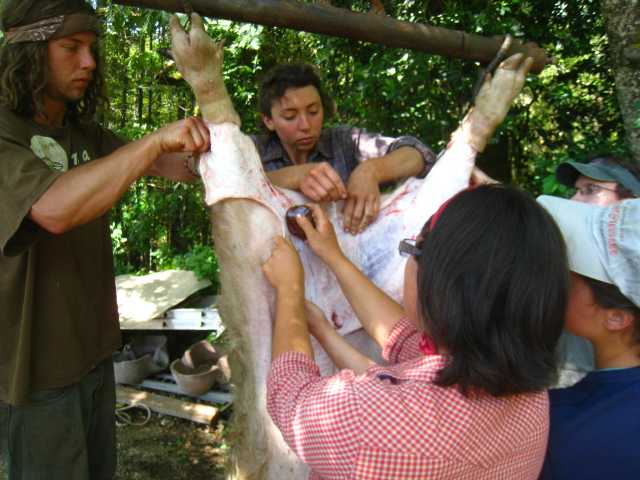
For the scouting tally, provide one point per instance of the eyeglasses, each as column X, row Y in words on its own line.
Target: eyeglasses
column 593, row 189
column 410, row 247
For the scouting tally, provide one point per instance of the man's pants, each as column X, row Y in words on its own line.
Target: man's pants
column 63, row 434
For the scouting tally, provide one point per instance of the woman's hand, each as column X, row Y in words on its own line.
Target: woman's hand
column 283, row 269
column 321, row 238
column 321, row 183
column 316, row 319
column 363, row 202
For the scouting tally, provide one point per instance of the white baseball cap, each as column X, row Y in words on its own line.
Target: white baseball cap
column 603, row 242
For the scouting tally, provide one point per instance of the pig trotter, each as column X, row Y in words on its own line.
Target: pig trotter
column 199, row 60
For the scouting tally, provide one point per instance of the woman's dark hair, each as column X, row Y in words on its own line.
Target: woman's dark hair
column 608, row 295
column 295, row 75
column 493, row 284
column 24, row 69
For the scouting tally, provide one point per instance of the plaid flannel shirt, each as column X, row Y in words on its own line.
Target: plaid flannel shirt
column 392, row 422
column 343, row 148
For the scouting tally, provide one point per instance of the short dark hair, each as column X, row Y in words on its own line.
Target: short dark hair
column 493, row 282
column 608, row 295
column 608, row 159
column 291, row 75
column 24, row 69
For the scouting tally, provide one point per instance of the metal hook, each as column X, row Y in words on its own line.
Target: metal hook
column 188, row 10
column 500, row 56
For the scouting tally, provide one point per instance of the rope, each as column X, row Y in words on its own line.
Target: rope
column 123, row 418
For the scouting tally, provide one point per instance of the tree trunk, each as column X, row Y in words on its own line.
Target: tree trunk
column 622, row 19
column 123, row 102
column 139, row 103
column 339, row 22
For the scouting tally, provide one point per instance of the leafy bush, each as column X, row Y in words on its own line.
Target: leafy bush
column 567, row 112
column 201, row 260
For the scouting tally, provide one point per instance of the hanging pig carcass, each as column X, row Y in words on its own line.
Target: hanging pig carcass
column 247, row 211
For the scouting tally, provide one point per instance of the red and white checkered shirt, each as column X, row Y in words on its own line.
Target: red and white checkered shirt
column 392, row 422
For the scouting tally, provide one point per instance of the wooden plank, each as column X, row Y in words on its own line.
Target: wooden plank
column 157, row 324
column 173, row 325
column 171, row 387
column 316, row 17
column 195, row 412
column 179, row 319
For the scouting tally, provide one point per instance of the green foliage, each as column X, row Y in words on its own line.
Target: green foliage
column 202, row 260
column 220, row 340
column 567, row 112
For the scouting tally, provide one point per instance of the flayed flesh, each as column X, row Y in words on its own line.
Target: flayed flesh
column 246, row 213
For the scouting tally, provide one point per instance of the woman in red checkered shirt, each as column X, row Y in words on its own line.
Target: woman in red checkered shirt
column 469, row 355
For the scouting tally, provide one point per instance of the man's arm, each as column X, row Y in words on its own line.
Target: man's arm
column 88, row 191
column 179, row 167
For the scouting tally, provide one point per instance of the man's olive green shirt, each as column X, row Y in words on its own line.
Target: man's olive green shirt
column 58, row 310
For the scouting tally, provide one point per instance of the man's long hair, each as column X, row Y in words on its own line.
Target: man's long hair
column 24, row 71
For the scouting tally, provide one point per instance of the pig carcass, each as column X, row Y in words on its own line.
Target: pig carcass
column 247, row 211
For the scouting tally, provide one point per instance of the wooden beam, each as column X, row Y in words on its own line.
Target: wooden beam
column 338, row 22
column 195, row 412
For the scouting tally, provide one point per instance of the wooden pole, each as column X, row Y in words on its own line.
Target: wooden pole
column 338, row 22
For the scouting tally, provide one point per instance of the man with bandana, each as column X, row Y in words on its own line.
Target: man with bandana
column 60, row 173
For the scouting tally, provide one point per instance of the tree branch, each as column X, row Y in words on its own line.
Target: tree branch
column 338, row 22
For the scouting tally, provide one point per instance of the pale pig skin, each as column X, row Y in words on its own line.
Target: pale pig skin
column 247, row 212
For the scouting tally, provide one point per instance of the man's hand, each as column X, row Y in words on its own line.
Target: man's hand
column 322, row 239
column 363, row 202
column 283, row 269
column 189, row 135
column 321, row 183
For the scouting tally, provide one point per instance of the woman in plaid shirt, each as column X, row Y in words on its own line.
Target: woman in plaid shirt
column 466, row 400
column 469, row 355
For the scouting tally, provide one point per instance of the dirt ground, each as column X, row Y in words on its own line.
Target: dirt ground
column 169, row 448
